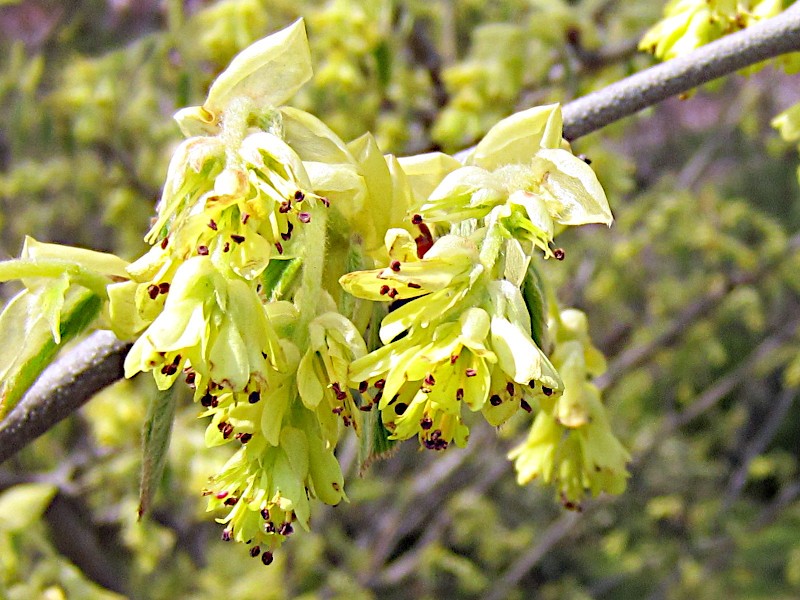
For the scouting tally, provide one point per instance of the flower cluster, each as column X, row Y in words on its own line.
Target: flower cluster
column 571, row 443
column 689, row 24
column 277, row 248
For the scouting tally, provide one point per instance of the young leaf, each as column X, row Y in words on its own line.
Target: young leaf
column 534, row 295
column 155, row 443
column 374, row 443
column 29, row 344
column 22, row 505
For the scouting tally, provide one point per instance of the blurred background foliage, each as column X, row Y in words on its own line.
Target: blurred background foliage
column 693, row 294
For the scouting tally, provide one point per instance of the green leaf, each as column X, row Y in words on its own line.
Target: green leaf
column 383, row 59
column 374, row 444
column 278, row 276
column 155, row 443
column 29, row 345
column 534, row 295
column 22, row 505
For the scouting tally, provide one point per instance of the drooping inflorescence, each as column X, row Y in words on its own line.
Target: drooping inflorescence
column 303, row 286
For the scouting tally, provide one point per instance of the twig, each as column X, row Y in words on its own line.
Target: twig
column 762, row 438
column 552, row 535
column 638, row 355
column 766, row 39
column 65, row 386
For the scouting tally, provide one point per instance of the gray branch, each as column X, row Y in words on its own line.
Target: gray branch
column 93, row 364
column 97, row 362
column 766, row 39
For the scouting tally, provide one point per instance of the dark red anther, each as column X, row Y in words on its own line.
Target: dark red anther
column 289, row 228
column 363, row 387
column 426, row 423
column 395, row 265
column 245, row 218
column 365, row 407
column 470, row 372
column 152, row 291
column 231, row 501
column 163, row 288
column 227, row 535
column 429, row 380
column 337, row 410
column 255, row 551
column 226, row 247
column 237, row 238
column 510, row 388
column 384, row 290
column 269, row 527
column 414, row 286
column 279, row 247
column 190, row 377
column 286, row 236
column 266, row 558
column 460, row 394
column 392, row 293
column 169, row 369
column 285, row 529
column 253, row 397
column 212, row 224
column 227, row 431
column 341, row 395
column 525, row 406
column 559, row 254
column 245, row 437
column 222, row 495
column 453, row 358
column 285, row 207
column 378, row 385
column 325, row 201
column 206, row 401
column 495, row 400
column 400, row 408
column 202, row 250
column 416, row 219
column 164, row 243
column 304, row 217
column 299, row 196
column 265, row 514
column 547, row 391
column 424, row 241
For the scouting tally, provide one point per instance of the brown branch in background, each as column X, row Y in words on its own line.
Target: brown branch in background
column 591, row 60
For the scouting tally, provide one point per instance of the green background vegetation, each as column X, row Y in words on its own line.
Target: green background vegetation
column 692, row 295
